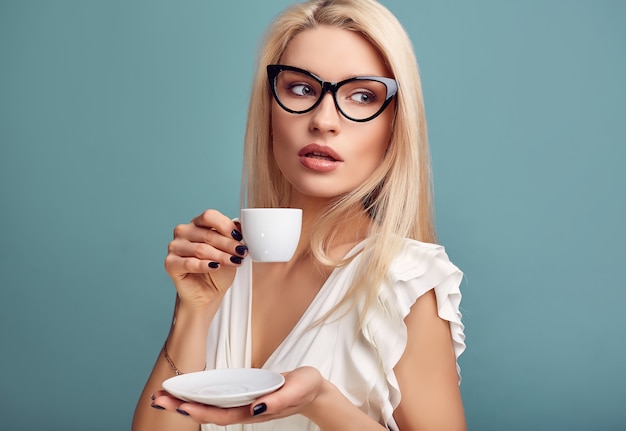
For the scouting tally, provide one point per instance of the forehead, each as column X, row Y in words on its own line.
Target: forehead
column 334, row 54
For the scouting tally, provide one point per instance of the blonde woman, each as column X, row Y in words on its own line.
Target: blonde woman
column 364, row 320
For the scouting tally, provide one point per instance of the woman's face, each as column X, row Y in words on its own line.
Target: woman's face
column 322, row 153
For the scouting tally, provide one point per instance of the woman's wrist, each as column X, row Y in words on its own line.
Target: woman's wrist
column 331, row 410
column 185, row 347
column 196, row 313
column 317, row 407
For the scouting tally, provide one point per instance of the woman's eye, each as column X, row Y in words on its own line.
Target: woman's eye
column 363, row 97
column 301, row 90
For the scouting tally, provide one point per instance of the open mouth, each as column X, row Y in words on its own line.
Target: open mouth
column 319, row 156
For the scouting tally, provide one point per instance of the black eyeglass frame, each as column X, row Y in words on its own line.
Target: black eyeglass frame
column 331, row 87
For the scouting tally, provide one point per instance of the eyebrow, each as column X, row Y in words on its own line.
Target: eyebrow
column 342, row 79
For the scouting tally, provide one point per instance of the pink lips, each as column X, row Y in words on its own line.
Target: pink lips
column 319, row 158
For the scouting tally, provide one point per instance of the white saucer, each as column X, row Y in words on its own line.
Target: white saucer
column 229, row 387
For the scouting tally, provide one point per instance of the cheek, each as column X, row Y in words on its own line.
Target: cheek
column 373, row 142
column 282, row 124
column 283, row 139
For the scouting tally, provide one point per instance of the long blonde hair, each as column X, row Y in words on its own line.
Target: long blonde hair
column 398, row 195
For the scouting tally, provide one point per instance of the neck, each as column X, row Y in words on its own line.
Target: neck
column 349, row 230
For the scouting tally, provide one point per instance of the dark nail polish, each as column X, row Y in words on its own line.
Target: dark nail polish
column 258, row 409
column 236, row 260
column 214, row 265
column 182, row 412
column 236, row 235
column 156, row 406
column 241, row 249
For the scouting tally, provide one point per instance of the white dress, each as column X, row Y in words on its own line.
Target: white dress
column 362, row 366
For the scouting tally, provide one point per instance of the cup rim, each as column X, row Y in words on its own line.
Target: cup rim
column 271, row 209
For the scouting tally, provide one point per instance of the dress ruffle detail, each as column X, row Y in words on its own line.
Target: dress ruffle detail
column 418, row 268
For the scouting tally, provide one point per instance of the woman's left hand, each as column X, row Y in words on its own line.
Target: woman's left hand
column 301, row 388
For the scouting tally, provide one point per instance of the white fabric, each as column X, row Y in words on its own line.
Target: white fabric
column 361, row 367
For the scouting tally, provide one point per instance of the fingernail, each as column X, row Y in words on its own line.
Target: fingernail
column 214, row 265
column 241, row 249
column 236, row 260
column 258, row 409
column 236, row 235
column 156, row 406
column 182, row 412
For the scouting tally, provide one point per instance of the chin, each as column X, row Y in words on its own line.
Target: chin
column 320, row 186
column 319, row 191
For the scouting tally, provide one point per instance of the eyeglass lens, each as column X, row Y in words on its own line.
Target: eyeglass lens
column 357, row 99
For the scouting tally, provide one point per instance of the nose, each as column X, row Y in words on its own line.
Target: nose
column 325, row 117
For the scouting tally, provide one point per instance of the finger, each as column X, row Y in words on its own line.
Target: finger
column 217, row 240
column 299, row 390
column 195, row 233
column 176, row 265
column 210, row 252
column 274, row 405
column 215, row 220
column 158, row 393
column 202, row 413
column 228, row 244
column 161, row 400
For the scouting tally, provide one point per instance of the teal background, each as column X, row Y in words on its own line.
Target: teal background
column 120, row 119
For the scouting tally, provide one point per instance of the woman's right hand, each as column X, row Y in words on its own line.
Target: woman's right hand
column 204, row 256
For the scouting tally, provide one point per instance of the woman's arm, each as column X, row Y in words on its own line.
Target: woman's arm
column 202, row 260
column 186, row 347
column 426, row 373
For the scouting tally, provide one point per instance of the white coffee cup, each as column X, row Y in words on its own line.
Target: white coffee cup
column 271, row 234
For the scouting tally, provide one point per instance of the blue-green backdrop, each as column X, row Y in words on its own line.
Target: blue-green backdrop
column 121, row 118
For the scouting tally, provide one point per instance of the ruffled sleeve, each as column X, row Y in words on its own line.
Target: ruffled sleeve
column 418, row 268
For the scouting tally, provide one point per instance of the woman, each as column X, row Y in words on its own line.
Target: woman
column 363, row 321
